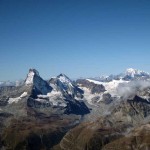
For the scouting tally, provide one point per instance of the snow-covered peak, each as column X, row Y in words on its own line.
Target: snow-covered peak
column 131, row 72
column 64, row 79
column 34, row 79
column 134, row 72
column 30, row 76
column 66, row 86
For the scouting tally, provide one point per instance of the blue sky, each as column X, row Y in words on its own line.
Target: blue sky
column 81, row 38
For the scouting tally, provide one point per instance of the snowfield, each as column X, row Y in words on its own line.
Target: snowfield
column 111, row 87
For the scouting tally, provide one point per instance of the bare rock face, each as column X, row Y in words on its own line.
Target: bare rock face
column 95, row 88
column 139, row 138
column 106, row 98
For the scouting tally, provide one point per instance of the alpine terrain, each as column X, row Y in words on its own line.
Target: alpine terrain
column 100, row 113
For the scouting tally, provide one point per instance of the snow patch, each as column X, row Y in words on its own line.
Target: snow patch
column 54, row 97
column 23, row 94
column 88, row 96
column 54, row 93
column 12, row 100
column 42, row 96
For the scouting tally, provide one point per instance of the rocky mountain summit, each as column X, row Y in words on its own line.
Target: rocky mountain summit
column 63, row 84
column 61, row 114
column 39, row 85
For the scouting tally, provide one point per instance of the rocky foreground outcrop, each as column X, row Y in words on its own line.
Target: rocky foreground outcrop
column 127, row 127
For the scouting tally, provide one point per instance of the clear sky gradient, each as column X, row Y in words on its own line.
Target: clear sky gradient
column 81, row 38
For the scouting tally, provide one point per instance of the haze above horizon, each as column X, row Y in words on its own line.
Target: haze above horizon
column 80, row 38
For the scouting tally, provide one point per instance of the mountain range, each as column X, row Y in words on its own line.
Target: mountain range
column 86, row 114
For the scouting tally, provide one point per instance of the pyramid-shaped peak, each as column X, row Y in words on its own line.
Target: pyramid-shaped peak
column 33, row 71
column 63, row 75
column 30, row 76
column 63, row 78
